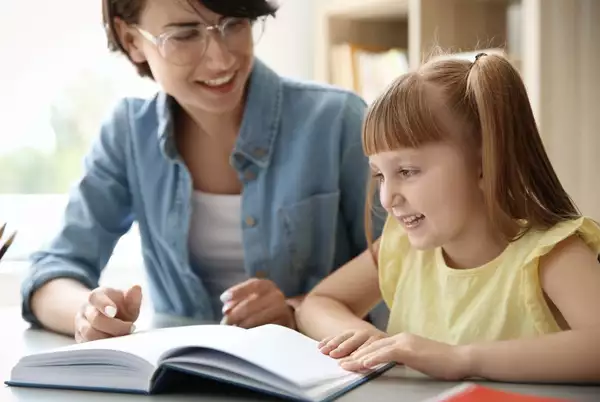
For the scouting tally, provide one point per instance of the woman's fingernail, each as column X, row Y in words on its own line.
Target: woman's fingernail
column 110, row 311
column 132, row 330
column 225, row 297
column 223, row 321
column 226, row 307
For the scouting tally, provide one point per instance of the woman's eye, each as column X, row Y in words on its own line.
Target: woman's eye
column 188, row 34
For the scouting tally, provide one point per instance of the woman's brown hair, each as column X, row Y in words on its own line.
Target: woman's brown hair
column 487, row 97
column 130, row 10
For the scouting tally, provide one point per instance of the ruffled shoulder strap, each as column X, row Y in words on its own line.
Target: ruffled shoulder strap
column 542, row 243
column 586, row 228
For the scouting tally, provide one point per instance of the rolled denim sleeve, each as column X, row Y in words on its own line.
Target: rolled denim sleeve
column 98, row 213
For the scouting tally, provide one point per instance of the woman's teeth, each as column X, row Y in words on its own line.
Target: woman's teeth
column 219, row 81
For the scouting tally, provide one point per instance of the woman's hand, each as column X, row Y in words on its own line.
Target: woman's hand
column 343, row 345
column 256, row 302
column 435, row 359
column 108, row 313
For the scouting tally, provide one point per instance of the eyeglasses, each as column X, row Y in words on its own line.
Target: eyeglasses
column 187, row 45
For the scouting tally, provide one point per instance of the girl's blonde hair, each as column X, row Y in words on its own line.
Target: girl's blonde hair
column 488, row 101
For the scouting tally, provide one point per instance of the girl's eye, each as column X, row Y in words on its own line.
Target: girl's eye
column 406, row 173
column 377, row 177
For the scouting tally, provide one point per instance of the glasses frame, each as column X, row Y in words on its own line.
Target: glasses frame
column 211, row 30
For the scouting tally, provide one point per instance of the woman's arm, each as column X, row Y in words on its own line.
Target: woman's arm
column 97, row 214
column 57, row 302
column 341, row 300
column 570, row 277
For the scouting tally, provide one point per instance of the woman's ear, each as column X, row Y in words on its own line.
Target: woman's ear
column 130, row 41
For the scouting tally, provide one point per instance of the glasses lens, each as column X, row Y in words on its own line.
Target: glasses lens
column 184, row 46
column 258, row 29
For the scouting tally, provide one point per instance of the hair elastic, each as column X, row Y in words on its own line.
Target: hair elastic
column 479, row 55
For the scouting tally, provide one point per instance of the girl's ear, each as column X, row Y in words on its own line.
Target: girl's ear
column 480, row 168
column 130, row 40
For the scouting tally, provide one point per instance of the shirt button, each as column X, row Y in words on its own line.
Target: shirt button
column 249, row 175
column 250, row 221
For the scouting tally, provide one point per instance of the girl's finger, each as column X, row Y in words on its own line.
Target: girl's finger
column 350, row 345
column 336, row 341
column 384, row 355
column 381, row 343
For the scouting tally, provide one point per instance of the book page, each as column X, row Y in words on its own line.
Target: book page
column 151, row 345
column 290, row 354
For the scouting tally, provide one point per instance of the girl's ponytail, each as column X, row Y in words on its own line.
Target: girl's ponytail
column 520, row 186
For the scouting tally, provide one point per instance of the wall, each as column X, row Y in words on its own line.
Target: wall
column 565, row 88
column 288, row 43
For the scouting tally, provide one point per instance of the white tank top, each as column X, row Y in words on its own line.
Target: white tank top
column 215, row 243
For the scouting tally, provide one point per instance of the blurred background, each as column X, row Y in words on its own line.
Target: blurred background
column 59, row 81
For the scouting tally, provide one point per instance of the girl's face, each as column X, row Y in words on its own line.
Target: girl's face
column 202, row 70
column 433, row 191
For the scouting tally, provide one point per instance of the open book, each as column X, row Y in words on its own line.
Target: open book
column 271, row 359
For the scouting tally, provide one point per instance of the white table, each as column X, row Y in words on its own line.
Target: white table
column 395, row 385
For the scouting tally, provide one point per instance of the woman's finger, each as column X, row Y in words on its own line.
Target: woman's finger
column 257, row 306
column 269, row 315
column 89, row 333
column 110, row 326
column 243, row 290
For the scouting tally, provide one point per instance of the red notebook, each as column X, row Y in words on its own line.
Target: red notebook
column 478, row 393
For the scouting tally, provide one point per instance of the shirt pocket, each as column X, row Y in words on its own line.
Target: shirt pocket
column 309, row 235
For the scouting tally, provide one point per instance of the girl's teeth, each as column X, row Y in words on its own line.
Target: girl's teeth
column 412, row 219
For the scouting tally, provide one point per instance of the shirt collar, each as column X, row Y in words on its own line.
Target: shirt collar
column 260, row 120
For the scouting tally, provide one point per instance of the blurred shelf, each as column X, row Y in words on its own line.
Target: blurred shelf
column 367, row 9
column 552, row 43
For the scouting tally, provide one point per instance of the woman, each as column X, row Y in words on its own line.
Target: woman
column 248, row 188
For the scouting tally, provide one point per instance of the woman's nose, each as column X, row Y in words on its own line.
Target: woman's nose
column 217, row 55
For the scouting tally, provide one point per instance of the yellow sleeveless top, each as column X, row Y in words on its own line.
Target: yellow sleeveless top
column 502, row 299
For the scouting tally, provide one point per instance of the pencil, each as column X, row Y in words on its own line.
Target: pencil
column 7, row 244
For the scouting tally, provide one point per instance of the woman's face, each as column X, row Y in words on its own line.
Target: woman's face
column 200, row 68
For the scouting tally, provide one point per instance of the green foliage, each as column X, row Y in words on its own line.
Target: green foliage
column 75, row 117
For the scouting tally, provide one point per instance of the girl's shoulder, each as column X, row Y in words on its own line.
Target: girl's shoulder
column 538, row 243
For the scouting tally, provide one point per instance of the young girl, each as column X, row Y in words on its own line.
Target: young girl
column 484, row 260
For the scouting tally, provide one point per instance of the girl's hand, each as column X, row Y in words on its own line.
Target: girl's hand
column 435, row 359
column 349, row 342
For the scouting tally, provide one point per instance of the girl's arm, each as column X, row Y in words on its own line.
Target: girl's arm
column 341, row 300
column 570, row 278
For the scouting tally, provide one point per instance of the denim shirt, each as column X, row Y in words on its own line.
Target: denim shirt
column 300, row 161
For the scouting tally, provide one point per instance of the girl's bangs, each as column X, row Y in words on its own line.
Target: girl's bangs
column 402, row 117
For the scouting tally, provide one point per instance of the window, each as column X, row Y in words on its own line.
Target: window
column 58, row 82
